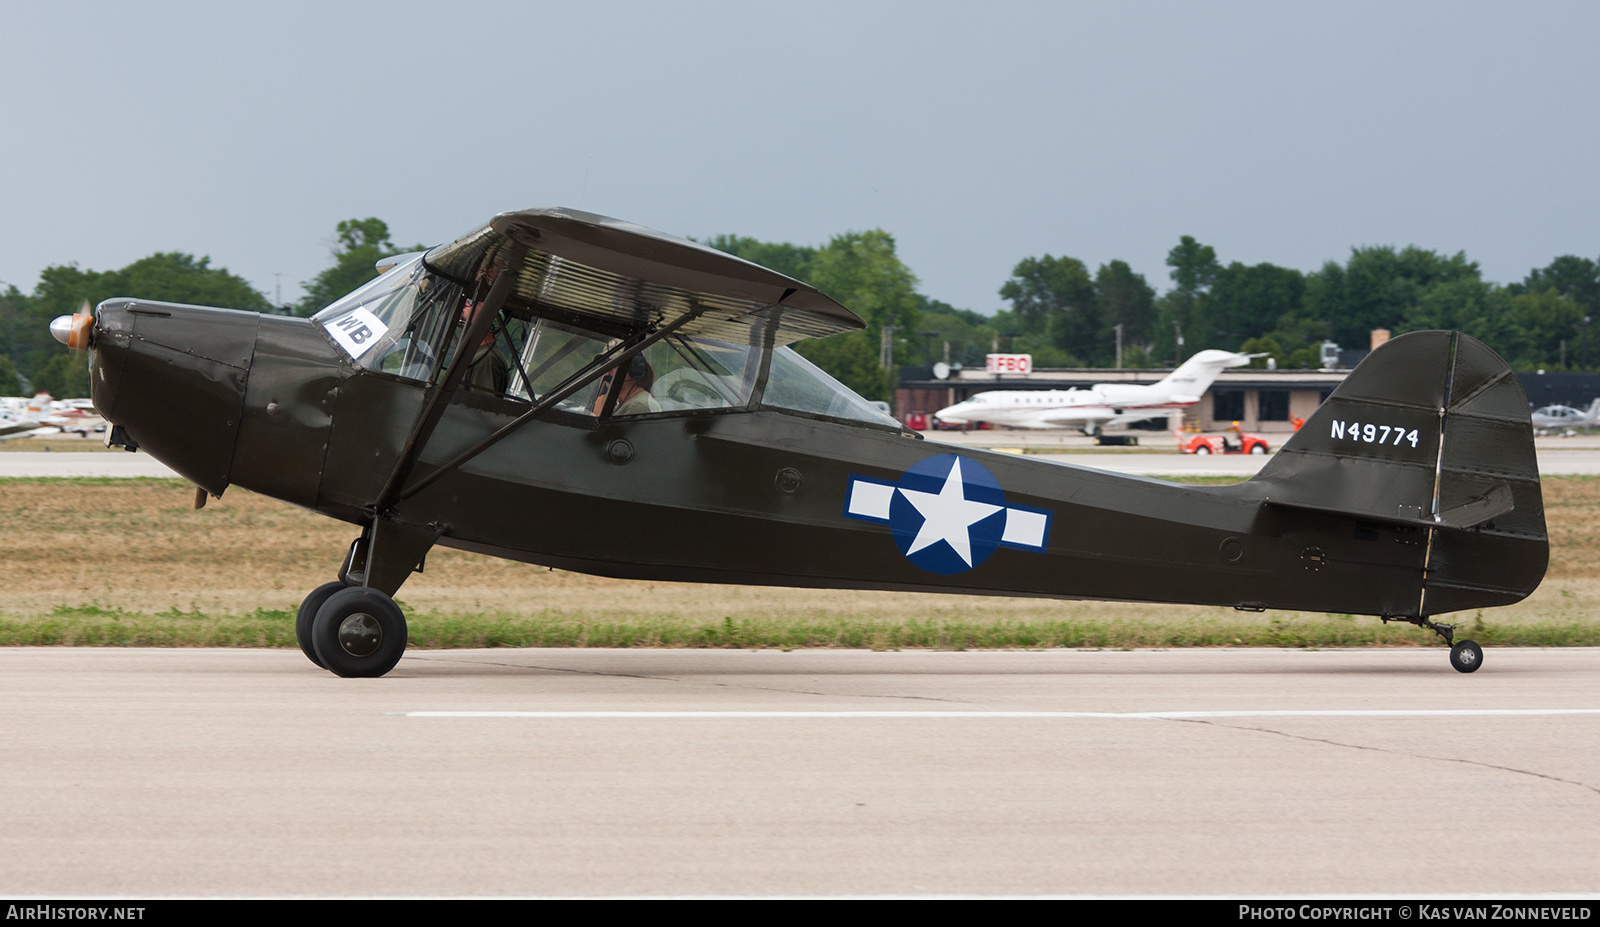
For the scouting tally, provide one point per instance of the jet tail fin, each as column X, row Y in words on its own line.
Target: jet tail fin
column 1431, row 431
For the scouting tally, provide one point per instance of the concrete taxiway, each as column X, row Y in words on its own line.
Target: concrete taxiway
column 596, row 772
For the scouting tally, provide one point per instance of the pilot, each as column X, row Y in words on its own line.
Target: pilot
column 487, row 370
column 635, row 398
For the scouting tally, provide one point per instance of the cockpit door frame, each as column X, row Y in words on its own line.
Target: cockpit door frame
column 619, row 354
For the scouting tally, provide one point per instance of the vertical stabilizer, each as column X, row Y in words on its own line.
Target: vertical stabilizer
column 1432, row 430
column 1194, row 376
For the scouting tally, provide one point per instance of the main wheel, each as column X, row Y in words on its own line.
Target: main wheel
column 359, row 632
column 1258, row 448
column 308, row 614
column 1466, row 656
column 1203, row 449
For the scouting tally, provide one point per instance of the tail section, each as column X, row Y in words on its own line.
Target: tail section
column 1194, row 376
column 1431, row 431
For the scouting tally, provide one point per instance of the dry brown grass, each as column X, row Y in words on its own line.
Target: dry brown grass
column 137, row 546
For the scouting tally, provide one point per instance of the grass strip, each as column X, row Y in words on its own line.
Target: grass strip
column 97, row 626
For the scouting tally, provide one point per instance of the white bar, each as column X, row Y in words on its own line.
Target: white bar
column 870, row 500
column 1025, row 527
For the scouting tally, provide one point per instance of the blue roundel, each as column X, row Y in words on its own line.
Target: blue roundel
column 948, row 514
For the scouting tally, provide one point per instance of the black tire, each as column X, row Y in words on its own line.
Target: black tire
column 1466, row 656
column 359, row 632
column 1203, row 449
column 308, row 614
column 1258, row 448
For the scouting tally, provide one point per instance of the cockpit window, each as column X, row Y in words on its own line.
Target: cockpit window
column 688, row 374
column 397, row 322
column 552, row 354
column 796, row 383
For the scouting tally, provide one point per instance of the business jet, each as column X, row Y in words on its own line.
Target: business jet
column 1099, row 405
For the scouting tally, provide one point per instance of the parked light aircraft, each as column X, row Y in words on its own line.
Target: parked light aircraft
column 1099, row 405
column 566, row 389
column 1555, row 418
column 39, row 416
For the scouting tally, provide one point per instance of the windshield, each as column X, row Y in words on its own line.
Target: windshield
column 796, row 383
column 396, row 322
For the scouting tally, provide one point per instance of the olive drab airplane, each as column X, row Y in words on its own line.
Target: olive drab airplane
column 567, row 389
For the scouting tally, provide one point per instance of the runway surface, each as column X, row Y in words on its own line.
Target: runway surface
column 81, row 463
column 596, row 772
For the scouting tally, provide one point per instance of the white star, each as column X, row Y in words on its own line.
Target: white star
column 948, row 515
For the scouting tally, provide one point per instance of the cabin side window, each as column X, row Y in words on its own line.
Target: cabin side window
column 524, row 359
column 685, row 375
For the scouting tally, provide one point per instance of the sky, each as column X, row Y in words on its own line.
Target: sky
column 976, row 134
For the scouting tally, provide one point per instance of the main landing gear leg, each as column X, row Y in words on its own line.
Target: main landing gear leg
column 353, row 627
column 1466, row 656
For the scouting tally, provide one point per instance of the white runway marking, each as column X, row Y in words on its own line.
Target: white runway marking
column 1115, row 715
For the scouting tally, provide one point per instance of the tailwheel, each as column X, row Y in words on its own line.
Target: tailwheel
column 359, row 631
column 1466, row 656
column 308, row 614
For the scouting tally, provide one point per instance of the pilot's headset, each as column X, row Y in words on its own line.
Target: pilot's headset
column 640, row 371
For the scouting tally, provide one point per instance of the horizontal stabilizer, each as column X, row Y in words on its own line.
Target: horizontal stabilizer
column 1492, row 504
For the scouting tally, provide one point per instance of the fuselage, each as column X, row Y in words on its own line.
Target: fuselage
column 755, row 494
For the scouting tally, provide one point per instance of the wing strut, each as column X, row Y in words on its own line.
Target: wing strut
column 617, row 355
column 503, row 286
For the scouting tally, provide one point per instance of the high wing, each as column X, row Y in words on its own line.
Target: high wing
column 1072, row 415
column 9, row 430
column 613, row 276
column 1101, row 414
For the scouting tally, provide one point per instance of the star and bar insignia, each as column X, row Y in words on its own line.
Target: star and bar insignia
column 947, row 514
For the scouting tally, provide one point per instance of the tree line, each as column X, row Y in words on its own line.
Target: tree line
column 1060, row 312
column 28, row 351
column 1067, row 316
